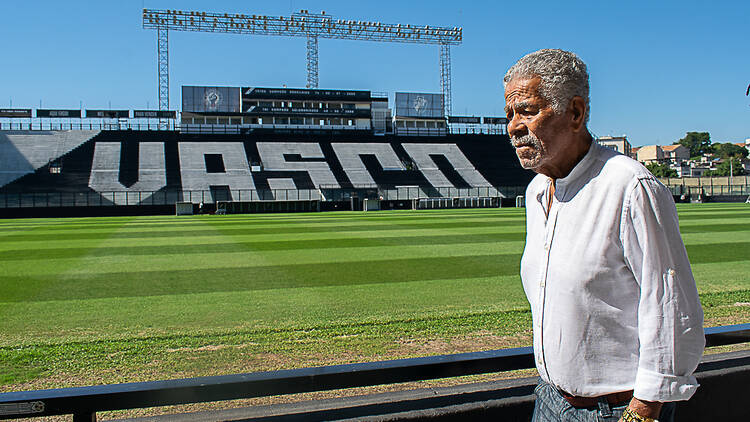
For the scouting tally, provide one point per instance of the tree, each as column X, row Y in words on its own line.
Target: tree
column 723, row 168
column 698, row 143
column 728, row 149
column 661, row 170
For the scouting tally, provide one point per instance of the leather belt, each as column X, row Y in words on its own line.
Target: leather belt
column 583, row 402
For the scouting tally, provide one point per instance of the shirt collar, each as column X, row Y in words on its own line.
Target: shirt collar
column 578, row 171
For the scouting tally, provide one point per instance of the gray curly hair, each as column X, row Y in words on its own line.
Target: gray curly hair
column 563, row 75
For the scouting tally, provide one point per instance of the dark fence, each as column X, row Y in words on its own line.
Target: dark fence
column 84, row 402
column 710, row 190
column 170, row 197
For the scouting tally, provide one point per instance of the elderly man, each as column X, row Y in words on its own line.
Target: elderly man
column 618, row 326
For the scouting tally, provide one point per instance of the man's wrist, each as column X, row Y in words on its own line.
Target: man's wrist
column 631, row 415
column 644, row 408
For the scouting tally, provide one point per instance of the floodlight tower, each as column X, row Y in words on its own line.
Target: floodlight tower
column 302, row 24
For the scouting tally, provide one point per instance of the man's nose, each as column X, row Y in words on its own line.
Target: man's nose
column 516, row 128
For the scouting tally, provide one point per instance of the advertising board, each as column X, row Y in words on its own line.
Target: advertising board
column 259, row 93
column 108, row 114
column 419, row 105
column 15, row 112
column 210, row 99
column 495, row 120
column 154, row 114
column 44, row 112
column 464, row 119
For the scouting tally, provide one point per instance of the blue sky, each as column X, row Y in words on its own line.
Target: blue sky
column 658, row 68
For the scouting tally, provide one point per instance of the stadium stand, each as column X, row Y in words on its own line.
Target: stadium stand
column 150, row 168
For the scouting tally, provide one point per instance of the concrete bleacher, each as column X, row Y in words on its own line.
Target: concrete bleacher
column 422, row 155
column 350, row 155
column 24, row 152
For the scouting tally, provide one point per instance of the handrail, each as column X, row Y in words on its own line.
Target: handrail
column 221, row 129
column 84, row 402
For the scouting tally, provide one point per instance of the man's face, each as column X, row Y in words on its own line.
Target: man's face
column 538, row 134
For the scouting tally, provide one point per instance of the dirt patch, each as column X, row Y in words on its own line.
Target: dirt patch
column 208, row 348
column 473, row 342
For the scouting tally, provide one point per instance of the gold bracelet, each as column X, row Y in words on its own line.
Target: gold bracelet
column 629, row 415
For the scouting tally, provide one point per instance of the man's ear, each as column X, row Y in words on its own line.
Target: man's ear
column 577, row 108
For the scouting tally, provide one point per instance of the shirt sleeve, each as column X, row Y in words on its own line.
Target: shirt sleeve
column 670, row 318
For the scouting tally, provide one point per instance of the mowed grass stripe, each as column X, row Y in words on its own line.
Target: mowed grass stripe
column 713, row 228
column 718, row 252
column 715, row 215
column 698, row 253
column 300, row 308
column 219, row 238
column 292, row 218
column 217, row 221
column 260, row 246
column 150, row 283
column 250, row 229
column 235, row 257
column 247, row 228
column 85, row 266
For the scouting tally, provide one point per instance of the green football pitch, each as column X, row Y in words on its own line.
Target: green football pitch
column 101, row 300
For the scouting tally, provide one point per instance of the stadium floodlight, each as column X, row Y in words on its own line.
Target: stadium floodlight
column 301, row 24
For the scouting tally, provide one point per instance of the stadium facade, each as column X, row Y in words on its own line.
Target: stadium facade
column 258, row 149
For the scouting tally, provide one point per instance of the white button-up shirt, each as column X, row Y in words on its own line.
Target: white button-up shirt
column 613, row 299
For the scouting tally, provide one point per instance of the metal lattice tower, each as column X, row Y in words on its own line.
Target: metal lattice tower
column 312, row 61
column 162, row 46
column 302, row 24
column 445, row 78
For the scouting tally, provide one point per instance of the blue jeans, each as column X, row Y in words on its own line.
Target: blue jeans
column 550, row 406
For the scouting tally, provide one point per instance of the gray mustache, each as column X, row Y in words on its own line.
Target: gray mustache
column 526, row 140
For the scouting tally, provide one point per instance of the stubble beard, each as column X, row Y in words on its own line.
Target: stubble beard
column 529, row 150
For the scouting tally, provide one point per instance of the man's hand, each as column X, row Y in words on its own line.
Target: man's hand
column 647, row 409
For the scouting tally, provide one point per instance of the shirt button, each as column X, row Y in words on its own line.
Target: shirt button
column 671, row 272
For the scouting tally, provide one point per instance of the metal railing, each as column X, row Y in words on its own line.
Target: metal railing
column 710, row 190
column 170, row 197
column 84, row 402
column 173, row 125
column 83, row 125
column 193, row 128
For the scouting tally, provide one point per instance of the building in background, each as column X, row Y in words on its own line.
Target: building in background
column 617, row 143
column 676, row 154
column 745, row 144
column 648, row 154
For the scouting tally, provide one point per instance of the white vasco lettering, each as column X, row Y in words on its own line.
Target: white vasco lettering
column 105, row 171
